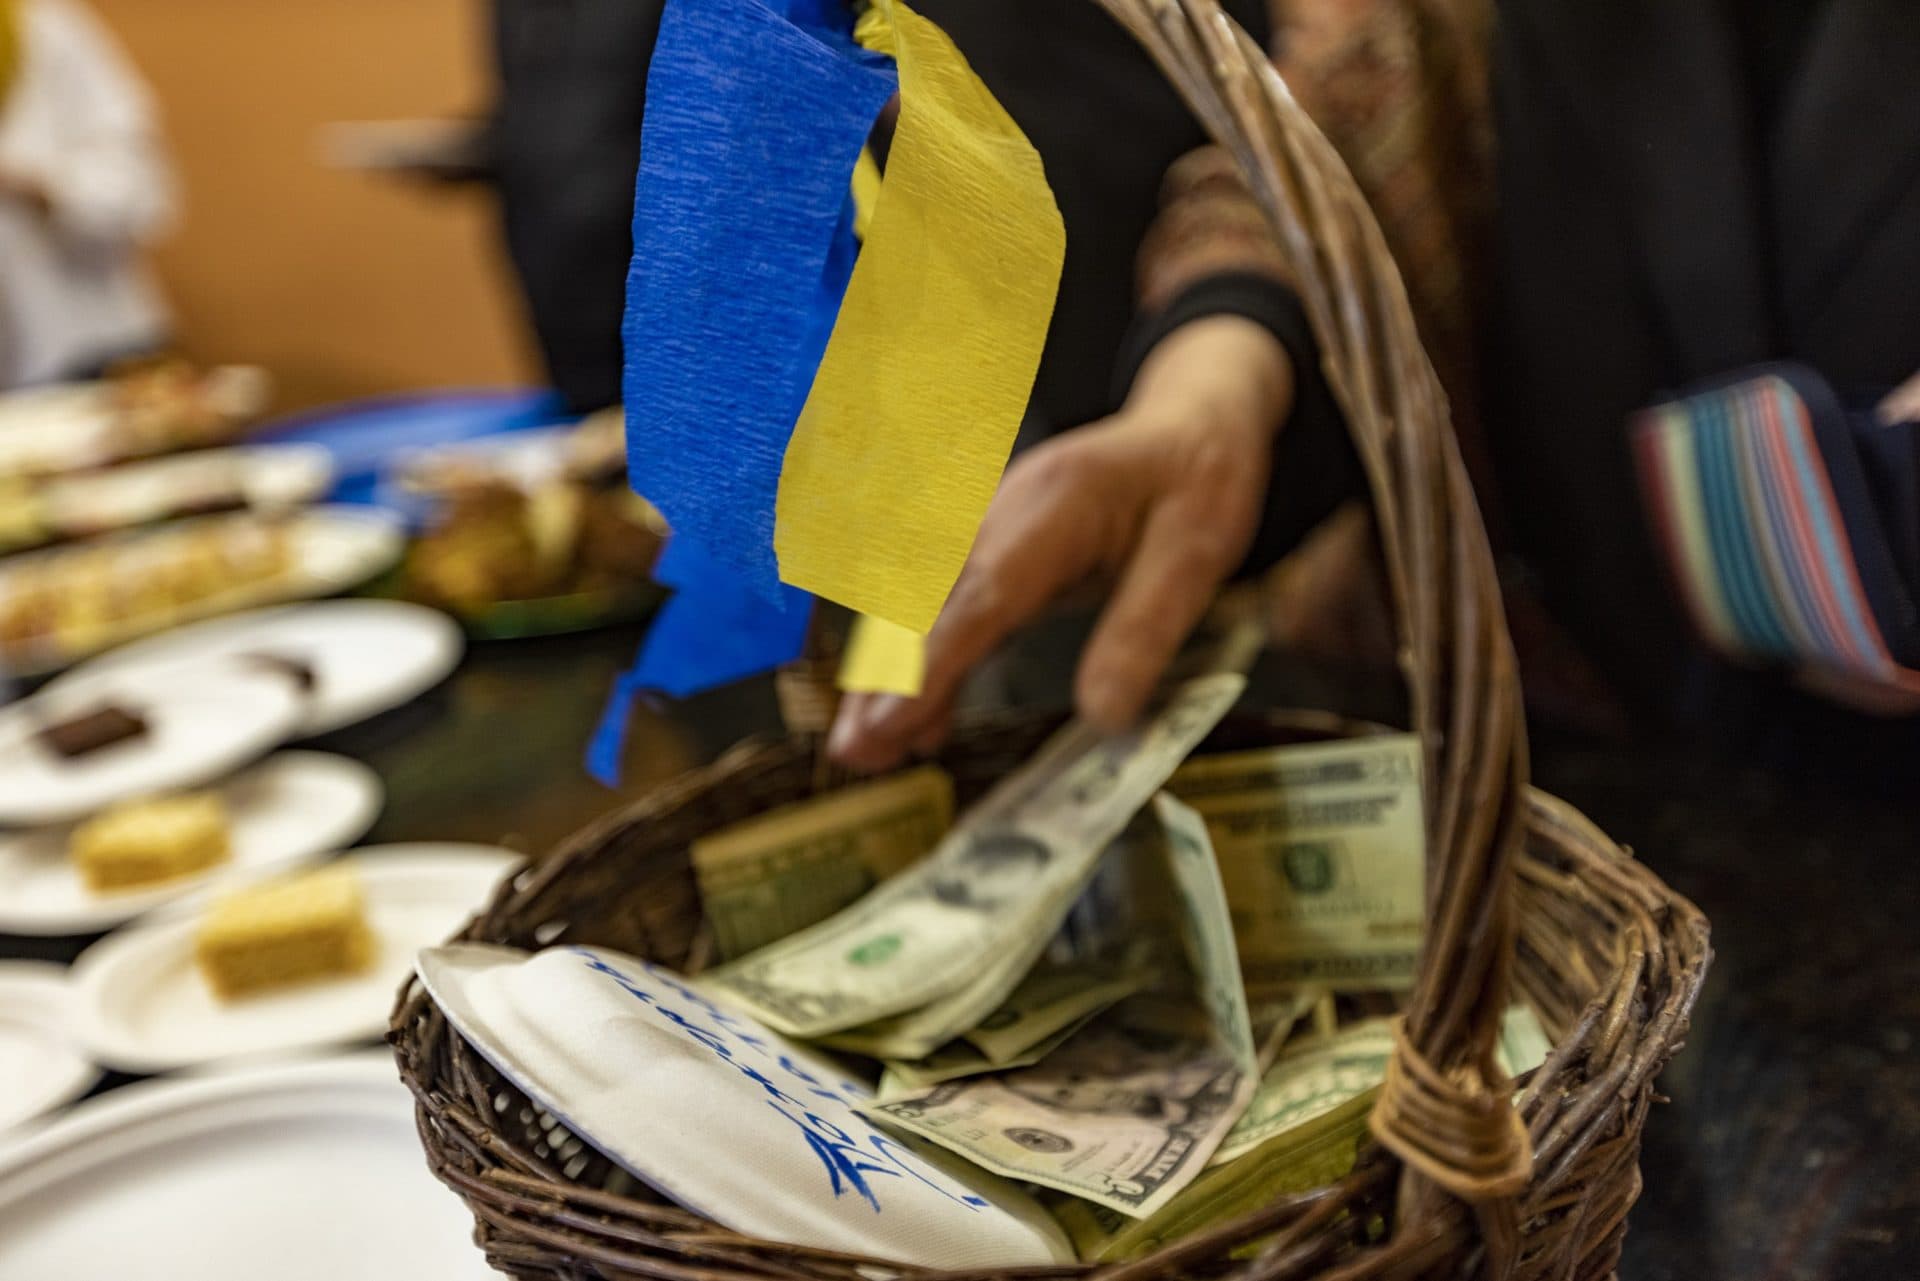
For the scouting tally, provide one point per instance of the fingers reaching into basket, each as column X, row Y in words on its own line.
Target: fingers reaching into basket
column 1162, row 499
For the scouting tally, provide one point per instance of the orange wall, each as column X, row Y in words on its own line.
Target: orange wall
column 344, row 284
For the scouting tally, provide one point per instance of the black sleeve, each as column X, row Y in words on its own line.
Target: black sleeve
column 1315, row 466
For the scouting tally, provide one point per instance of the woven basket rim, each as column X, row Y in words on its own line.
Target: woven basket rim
column 1608, row 1048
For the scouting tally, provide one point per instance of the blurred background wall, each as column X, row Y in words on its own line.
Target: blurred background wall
column 345, row 284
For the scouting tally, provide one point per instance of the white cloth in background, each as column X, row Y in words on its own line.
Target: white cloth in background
column 79, row 122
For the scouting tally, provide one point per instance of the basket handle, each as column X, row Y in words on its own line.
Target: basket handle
column 1446, row 1109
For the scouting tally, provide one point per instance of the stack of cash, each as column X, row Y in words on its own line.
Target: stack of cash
column 1161, row 988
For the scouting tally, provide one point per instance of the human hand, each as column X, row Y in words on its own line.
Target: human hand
column 1163, row 498
column 1902, row 404
column 1328, row 600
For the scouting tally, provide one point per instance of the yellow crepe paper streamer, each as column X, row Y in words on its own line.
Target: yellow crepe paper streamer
column 883, row 658
column 866, row 190
column 924, row 382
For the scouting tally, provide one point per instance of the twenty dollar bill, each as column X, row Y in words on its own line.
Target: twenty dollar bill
column 1323, row 850
column 780, row 872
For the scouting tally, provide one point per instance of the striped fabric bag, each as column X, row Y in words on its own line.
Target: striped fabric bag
column 1791, row 525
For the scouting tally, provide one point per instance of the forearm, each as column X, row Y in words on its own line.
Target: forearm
column 1219, row 372
column 1312, row 463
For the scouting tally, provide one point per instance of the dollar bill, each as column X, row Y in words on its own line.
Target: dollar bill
column 950, row 1062
column 1276, row 1017
column 1206, row 929
column 1322, row 849
column 1311, row 1155
column 782, row 871
column 920, row 1032
column 1000, row 882
column 1326, row 1015
column 1185, row 1067
column 987, row 995
column 1124, row 1115
column 1308, row 1080
column 1046, row 1001
column 1167, row 847
column 1524, row 1043
column 1126, row 906
column 958, row 1059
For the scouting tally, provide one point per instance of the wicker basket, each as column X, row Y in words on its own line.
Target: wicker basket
column 1525, row 895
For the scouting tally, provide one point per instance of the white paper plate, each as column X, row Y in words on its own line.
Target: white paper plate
column 143, row 1007
column 201, row 725
column 334, row 548
column 54, row 428
column 288, row 810
column 309, row 1172
column 525, row 457
column 724, row 1116
column 41, row 1064
column 62, row 427
column 340, row 546
column 268, row 477
column 366, row 655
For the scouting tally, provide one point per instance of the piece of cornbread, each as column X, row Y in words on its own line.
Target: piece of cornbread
column 148, row 842
column 285, row 931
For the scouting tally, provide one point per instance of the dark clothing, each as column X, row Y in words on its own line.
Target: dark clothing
column 1685, row 187
column 1772, row 36
column 565, row 145
column 1107, row 133
column 1647, row 239
column 566, row 142
column 1315, row 464
column 1107, row 126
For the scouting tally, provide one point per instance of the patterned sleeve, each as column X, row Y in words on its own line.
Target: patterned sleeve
column 1209, row 225
column 1399, row 88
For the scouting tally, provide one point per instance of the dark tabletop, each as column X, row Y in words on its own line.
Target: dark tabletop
column 1791, row 1150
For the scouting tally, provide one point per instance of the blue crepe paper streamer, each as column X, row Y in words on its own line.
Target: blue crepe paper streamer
column 742, row 246
column 710, row 632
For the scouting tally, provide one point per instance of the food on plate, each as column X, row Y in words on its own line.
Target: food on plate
column 141, row 409
column 74, row 601
column 484, row 548
column 23, row 517
column 496, row 541
column 165, row 405
column 287, row 931
column 592, row 452
column 596, row 449
column 104, row 500
column 531, row 519
column 151, row 842
column 304, row 678
column 87, row 732
column 620, row 534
